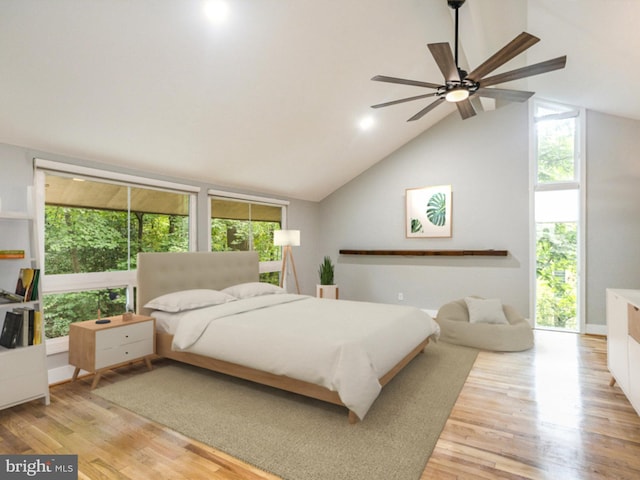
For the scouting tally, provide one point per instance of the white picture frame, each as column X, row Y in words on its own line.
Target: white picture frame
column 428, row 212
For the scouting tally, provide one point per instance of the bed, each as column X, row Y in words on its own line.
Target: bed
column 212, row 312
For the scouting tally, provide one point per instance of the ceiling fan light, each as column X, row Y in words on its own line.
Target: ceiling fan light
column 457, row 95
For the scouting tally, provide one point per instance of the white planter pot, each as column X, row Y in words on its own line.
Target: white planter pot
column 327, row 291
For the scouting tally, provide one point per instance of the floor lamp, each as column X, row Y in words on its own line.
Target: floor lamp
column 286, row 239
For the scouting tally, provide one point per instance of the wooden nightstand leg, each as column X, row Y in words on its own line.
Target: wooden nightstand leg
column 96, row 379
column 147, row 360
column 75, row 374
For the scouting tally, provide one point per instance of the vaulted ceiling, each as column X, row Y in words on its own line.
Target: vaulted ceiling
column 270, row 101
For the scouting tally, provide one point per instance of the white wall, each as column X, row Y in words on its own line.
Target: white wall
column 613, row 209
column 485, row 159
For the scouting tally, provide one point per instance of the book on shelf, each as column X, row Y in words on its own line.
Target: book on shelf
column 32, row 293
column 24, row 282
column 37, row 327
column 25, row 322
column 10, row 297
column 27, row 285
column 31, row 325
column 26, row 337
column 7, row 254
column 11, row 329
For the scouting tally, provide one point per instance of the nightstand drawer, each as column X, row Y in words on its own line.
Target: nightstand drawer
column 114, row 337
column 123, row 353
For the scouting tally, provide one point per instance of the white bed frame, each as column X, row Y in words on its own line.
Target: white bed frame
column 161, row 273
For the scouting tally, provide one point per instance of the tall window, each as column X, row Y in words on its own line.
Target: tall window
column 93, row 231
column 557, row 213
column 248, row 224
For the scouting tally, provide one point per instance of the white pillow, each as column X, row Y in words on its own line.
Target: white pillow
column 188, row 299
column 252, row 289
column 487, row 310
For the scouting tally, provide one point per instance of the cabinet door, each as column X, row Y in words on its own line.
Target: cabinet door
column 634, row 374
column 22, row 375
column 617, row 348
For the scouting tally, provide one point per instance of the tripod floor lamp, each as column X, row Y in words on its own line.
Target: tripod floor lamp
column 287, row 239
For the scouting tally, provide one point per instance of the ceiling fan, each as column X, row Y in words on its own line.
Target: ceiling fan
column 460, row 87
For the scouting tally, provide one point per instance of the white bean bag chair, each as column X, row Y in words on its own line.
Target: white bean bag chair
column 485, row 324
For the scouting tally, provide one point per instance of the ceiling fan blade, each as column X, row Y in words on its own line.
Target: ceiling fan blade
column 443, row 56
column 536, row 69
column 477, row 103
column 404, row 81
column 502, row 56
column 504, row 94
column 402, row 100
column 426, row 110
column 465, row 109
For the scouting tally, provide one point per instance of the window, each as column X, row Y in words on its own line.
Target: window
column 94, row 228
column 557, row 201
column 556, row 146
column 248, row 223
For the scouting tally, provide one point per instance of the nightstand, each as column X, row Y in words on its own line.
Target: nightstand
column 97, row 347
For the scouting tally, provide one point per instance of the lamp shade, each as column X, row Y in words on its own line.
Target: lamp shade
column 286, row 237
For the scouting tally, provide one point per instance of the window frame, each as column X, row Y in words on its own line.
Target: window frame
column 266, row 266
column 578, row 183
column 77, row 282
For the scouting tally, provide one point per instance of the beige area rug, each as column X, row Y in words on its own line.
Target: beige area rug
column 299, row 438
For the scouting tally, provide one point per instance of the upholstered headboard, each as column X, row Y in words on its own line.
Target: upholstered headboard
column 160, row 273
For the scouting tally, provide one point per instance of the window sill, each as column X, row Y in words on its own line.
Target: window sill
column 57, row 345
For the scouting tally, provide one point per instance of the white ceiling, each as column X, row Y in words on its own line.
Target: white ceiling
column 270, row 101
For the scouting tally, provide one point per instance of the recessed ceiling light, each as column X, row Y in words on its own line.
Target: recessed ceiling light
column 366, row 122
column 217, row 11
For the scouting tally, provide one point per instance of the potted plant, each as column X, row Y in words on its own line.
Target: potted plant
column 327, row 288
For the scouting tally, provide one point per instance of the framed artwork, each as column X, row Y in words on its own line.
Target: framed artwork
column 428, row 212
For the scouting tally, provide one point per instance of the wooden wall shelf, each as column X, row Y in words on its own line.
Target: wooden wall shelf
column 428, row 253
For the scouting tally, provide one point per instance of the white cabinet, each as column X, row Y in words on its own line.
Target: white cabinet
column 23, row 375
column 623, row 342
column 23, row 370
column 617, row 343
column 633, row 322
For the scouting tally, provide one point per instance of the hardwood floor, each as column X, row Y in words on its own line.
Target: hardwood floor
column 548, row 413
column 544, row 414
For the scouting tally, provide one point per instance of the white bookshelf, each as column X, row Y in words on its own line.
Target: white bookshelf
column 23, row 370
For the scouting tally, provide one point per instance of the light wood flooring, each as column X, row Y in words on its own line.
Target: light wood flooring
column 548, row 413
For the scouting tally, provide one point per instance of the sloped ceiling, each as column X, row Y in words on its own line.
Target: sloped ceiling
column 270, row 101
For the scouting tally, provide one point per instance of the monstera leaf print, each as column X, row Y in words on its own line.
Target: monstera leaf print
column 437, row 209
column 416, row 225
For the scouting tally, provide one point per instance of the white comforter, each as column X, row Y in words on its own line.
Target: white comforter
column 342, row 345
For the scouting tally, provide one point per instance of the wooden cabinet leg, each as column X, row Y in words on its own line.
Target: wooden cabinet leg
column 75, row 374
column 612, row 382
column 96, row 379
column 147, row 360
